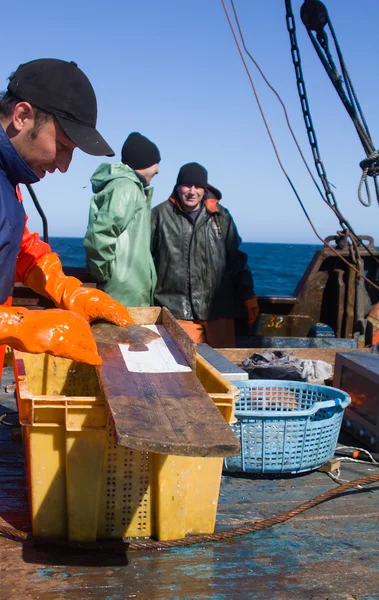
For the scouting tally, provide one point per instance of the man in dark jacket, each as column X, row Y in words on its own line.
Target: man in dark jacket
column 48, row 110
column 202, row 276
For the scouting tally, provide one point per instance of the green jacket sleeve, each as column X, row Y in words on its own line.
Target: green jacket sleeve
column 111, row 211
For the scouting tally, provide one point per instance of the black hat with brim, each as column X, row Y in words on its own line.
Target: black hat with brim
column 60, row 88
column 87, row 138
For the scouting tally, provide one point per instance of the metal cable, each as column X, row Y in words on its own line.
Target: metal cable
column 366, row 165
column 302, row 91
column 40, row 212
column 306, row 110
column 315, row 18
column 329, row 197
column 279, row 99
column 121, row 546
column 324, row 242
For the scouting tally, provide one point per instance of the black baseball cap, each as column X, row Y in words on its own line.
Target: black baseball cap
column 60, row 88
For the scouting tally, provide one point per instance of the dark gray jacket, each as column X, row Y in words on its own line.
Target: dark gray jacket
column 201, row 273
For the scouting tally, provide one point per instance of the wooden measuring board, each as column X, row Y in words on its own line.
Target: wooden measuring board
column 155, row 400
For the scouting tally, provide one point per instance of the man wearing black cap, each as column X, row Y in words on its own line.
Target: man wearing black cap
column 117, row 241
column 202, row 276
column 48, row 110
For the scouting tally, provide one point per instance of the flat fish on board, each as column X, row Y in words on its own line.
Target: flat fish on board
column 136, row 336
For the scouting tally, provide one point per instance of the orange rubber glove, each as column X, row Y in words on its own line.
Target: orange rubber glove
column 57, row 332
column 47, row 278
column 252, row 307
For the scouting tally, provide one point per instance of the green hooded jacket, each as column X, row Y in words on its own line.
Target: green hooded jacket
column 117, row 242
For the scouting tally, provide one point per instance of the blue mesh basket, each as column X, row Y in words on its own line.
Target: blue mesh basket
column 285, row 426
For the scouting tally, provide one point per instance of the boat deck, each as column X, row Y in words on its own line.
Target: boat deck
column 329, row 552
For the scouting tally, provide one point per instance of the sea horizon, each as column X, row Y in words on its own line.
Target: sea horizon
column 78, row 237
column 277, row 266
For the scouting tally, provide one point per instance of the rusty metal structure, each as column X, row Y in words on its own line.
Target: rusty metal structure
column 329, row 292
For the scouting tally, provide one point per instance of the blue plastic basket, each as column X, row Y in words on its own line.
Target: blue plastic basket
column 285, row 426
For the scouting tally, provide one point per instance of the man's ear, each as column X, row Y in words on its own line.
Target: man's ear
column 22, row 113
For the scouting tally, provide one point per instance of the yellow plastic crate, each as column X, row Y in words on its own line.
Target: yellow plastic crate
column 82, row 485
column 223, row 393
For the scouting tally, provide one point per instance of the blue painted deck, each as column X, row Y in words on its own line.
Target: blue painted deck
column 330, row 552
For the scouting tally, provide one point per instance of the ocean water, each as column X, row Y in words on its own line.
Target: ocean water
column 277, row 268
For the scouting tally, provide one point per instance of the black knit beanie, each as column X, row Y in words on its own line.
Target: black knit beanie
column 138, row 152
column 192, row 174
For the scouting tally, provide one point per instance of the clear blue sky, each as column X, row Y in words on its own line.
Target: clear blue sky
column 170, row 69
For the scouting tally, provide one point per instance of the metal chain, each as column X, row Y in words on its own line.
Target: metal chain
column 306, row 110
column 315, row 17
column 347, row 230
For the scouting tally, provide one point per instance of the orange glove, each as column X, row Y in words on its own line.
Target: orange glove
column 252, row 309
column 47, row 278
column 57, row 332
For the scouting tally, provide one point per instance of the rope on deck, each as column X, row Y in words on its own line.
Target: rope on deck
column 124, row 545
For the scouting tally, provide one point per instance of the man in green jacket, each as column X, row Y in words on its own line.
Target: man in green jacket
column 203, row 277
column 117, row 241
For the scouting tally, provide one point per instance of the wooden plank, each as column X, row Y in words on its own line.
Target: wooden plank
column 180, row 337
column 168, row 413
